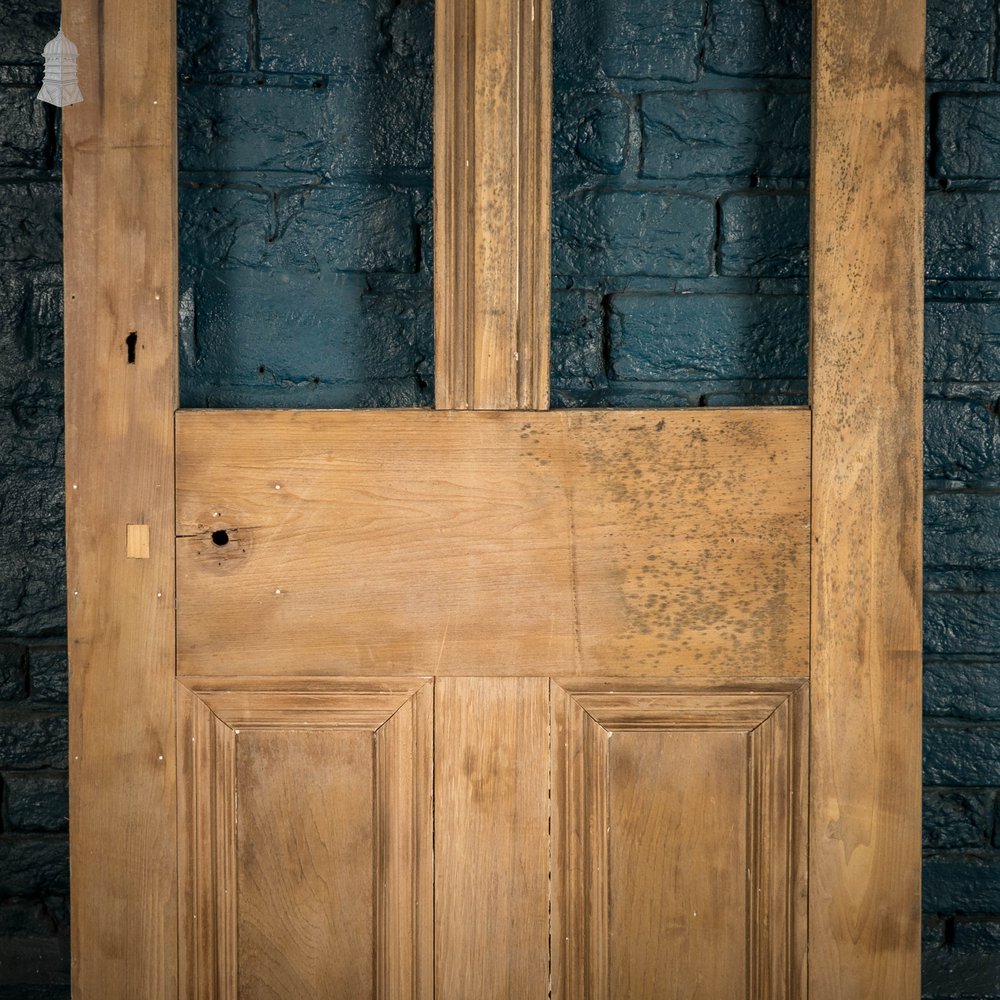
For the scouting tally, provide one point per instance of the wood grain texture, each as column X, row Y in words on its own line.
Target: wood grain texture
column 866, row 391
column 206, row 819
column 491, row 838
column 677, row 924
column 678, row 839
column 634, row 542
column 492, row 198
column 404, row 878
column 305, row 858
column 120, row 217
column 305, row 864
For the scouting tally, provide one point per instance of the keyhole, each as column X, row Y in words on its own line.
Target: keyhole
column 220, row 537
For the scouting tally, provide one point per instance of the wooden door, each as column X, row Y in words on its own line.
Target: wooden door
column 492, row 701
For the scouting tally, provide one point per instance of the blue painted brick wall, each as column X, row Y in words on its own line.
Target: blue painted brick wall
column 305, row 158
column 34, row 876
column 680, row 209
column 962, row 507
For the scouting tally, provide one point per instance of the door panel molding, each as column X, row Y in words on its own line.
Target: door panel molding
column 644, row 773
column 334, row 785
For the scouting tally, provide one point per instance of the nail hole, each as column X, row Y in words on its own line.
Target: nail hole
column 220, row 537
column 130, row 341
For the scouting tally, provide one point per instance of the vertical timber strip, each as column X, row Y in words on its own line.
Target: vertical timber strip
column 866, row 388
column 491, row 896
column 120, row 211
column 492, row 179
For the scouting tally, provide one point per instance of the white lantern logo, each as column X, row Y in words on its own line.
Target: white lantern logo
column 59, row 86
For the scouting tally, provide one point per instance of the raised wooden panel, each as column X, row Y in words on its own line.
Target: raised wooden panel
column 676, row 874
column 678, row 841
column 306, row 840
column 644, row 542
column 304, row 861
column 491, row 831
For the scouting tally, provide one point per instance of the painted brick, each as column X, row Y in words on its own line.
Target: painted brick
column 967, row 966
column 674, row 337
column 372, row 124
column 25, row 920
column 765, row 235
column 333, row 38
column 32, row 567
column 25, row 27
column 46, row 320
column 957, row 818
column 590, row 134
column 27, row 992
column 633, row 233
column 959, row 39
column 32, row 581
column 224, row 225
column 962, row 690
column 36, row 802
column 640, row 40
column 962, row 341
column 32, row 740
column 349, row 228
column 410, row 30
column 372, row 393
column 346, row 227
column 13, row 673
column 962, row 235
column 14, row 297
column 961, row 754
column 57, row 907
column 31, row 222
column 33, row 865
column 49, row 674
column 759, row 38
column 213, row 37
column 968, row 883
column 577, row 341
column 713, row 133
column 961, row 530
column 24, row 130
column 961, row 440
column 34, row 960
column 967, row 136
column 299, row 327
column 957, row 623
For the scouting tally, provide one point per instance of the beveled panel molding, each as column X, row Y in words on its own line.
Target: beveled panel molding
column 343, row 768
column 678, row 839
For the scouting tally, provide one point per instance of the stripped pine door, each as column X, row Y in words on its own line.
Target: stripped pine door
column 490, row 701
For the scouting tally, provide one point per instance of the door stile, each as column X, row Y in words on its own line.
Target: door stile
column 120, row 212
column 492, row 203
column 866, row 392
